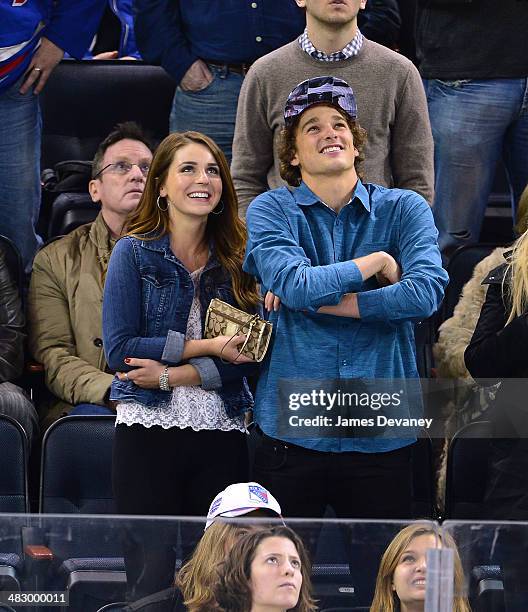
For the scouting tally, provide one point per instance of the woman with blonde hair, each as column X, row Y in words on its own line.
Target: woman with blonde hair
column 181, row 399
column 497, row 353
column 402, row 574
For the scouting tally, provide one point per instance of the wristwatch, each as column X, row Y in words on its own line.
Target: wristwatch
column 164, row 380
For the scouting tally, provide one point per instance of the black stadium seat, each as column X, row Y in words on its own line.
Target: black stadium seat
column 13, row 499
column 467, row 465
column 69, row 211
column 13, row 262
column 460, row 270
column 82, row 102
column 76, row 479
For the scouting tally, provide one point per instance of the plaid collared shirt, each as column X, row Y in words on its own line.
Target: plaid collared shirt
column 350, row 50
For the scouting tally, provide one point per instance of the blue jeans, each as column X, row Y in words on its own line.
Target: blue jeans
column 20, row 130
column 91, row 409
column 211, row 111
column 474, row 124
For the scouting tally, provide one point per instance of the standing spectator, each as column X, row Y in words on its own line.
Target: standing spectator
column 33, row 38
column 328, row 247
column 13, row 400
column 66, row 289
column 380, row 21
column 115, row 38
column 177, row 398
column 474, row 60
column 207, row 48
column 391, row 102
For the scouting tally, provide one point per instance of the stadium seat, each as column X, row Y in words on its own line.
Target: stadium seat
column 423, row 499
column 69, row 211
column 487, row 583
column 460, row 270
column 13, row 262
column 467, row 461
column 13, row 499
column 82, row 102
column 76, row 479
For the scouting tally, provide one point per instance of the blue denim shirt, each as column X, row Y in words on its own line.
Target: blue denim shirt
column 147, row 299
column 300, row 249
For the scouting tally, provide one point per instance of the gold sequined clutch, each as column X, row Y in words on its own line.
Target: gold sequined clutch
column 222, row 319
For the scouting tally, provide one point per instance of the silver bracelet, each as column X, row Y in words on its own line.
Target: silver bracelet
column 164, row 380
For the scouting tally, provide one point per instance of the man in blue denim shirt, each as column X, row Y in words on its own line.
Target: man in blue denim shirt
column 354, row 265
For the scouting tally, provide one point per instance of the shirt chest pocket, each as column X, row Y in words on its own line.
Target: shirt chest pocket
column 161, row 301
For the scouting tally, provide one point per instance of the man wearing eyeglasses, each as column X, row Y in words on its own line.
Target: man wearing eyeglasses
column 66, row 290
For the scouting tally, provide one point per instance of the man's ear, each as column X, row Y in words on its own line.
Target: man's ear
column 294, row 160
column 302, row 3
column 93, row 189
column 362, row 4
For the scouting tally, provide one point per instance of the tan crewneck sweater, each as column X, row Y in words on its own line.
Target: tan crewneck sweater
column 391, row 107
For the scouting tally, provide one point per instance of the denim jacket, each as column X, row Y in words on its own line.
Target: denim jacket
column 147, row 299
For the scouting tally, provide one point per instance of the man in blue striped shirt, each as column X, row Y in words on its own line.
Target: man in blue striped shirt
column 354, row 266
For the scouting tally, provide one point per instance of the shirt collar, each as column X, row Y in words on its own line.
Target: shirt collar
column 304, row 196
column 350, row 50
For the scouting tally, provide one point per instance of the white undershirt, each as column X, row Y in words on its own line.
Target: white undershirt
column 189, row 406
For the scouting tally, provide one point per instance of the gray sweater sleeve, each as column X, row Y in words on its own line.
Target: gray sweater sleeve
column 252, row 144
column 411, row 153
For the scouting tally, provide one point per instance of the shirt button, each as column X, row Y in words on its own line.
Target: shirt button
column 258, row 38
column 344, row 362
column 254, row 5
column 98, row 342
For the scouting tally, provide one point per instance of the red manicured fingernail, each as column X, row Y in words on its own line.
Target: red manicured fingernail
column 127, row 359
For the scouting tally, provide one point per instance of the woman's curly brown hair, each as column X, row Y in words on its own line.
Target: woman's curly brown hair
column 286, row 149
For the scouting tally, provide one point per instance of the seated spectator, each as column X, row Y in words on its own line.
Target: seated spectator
column 66, row 290
column 467, row 402
column 455, row 333
column 267, row 569
column 13, row 400
column 402, row 575
column 497, row 353
column 194, row 584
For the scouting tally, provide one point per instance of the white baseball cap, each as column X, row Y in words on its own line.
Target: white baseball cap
column 241, row 498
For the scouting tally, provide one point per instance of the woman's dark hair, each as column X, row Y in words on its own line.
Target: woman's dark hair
column 233, row 591
column 224, row 229
column 286, row 149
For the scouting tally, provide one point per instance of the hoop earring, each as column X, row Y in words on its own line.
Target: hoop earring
column 158, row 204
column 220, row 211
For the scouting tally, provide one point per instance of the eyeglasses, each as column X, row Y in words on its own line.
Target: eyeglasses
column 124, row 167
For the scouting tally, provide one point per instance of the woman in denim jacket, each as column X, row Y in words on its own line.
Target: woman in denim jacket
column 180, row 434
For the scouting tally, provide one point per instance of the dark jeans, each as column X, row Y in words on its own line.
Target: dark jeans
column 174, row 472
column 355, row 485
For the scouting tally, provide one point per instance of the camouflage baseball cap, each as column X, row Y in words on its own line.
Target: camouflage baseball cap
column 320, row 90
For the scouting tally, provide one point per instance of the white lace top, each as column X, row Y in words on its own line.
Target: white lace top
column 189, row 406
